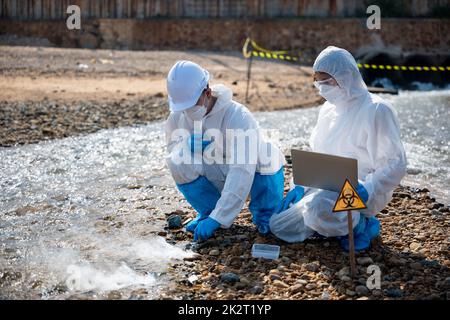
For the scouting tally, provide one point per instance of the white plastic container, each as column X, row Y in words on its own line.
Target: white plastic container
column 266, row 251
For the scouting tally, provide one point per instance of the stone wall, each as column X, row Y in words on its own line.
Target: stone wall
column 303, row 36
column 145, row 9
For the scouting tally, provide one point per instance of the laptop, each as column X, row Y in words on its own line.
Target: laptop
column 323, row 171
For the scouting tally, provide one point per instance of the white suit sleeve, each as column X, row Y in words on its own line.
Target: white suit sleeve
column 170, row 127
column 388, row 157
column 239, row 179
column 181, row 172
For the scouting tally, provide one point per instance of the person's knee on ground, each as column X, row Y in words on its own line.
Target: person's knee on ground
column 363, row 234
column 266, row 195
column 202, row 196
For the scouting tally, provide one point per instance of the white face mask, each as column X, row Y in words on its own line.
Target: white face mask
column 196, row 113
column 333, row 94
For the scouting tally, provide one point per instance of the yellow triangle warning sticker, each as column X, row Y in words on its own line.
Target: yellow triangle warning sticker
column 348, row 199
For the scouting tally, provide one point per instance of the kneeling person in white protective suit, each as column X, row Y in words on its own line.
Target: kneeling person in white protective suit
column 356, row 124
column 212, row 180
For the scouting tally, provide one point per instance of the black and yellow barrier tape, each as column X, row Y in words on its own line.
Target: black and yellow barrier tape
column 402, row 68
column 251, row 48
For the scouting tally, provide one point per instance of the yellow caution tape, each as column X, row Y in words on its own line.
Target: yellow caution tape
column 402, row 68
column 251, row 48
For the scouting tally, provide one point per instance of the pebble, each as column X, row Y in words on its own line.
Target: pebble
column 114, row 295
column 312, row 267
column 414, row 246
column 174, row 221
column 362, row 290
column 350, row 293
column 346, row 279
column 280, row 284
column 310, row 286
column 240, row 286
column 416, row 266
column 447, row 281
column 286, row 260
column 365, row 261
column 402, row 195
column 274, row 277
column 429, row 263
column 394, row 293
column 193, row 279
column 296, row 288
column 214, row 252
column 256, row 290
column 325, row 295
column 377, row 293
column 343, row 272
column 274, row 271
column 229, row 277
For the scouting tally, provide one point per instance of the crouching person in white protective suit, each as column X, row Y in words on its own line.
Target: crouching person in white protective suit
column 356, row 124
column 217, row 155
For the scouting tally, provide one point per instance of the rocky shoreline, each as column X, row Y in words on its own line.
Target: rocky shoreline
column 51, row 93
column 412, row 254
column 31, row 121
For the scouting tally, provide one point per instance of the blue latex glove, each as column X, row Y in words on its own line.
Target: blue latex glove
column 362, row 192
column 293, row 196
column 190, row 227
column 366, row 230
column 205, row 229
column 196, row 141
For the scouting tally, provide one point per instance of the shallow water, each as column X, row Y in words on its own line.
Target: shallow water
column 78, row 216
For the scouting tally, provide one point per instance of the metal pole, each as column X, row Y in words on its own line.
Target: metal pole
column 249, row 75
column 351, row 244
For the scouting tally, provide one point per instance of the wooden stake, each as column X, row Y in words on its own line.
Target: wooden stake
column 351, row 243
column 249, row 74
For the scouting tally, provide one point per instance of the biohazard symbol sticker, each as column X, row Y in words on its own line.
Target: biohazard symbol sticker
column 348, row 199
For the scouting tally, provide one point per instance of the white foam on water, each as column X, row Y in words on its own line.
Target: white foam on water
column 105, row 264
column 158, row 250
column 84, row 278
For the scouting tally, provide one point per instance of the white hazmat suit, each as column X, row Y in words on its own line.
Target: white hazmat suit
column 355, row 124
column 234, row 181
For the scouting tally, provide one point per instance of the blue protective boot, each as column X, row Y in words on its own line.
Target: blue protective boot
column 202, row 195
column 266, row 195
column 366, row 230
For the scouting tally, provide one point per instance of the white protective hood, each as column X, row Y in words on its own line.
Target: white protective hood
column 364, row 127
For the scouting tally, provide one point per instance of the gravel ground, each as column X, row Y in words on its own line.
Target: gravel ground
column 412, row 254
